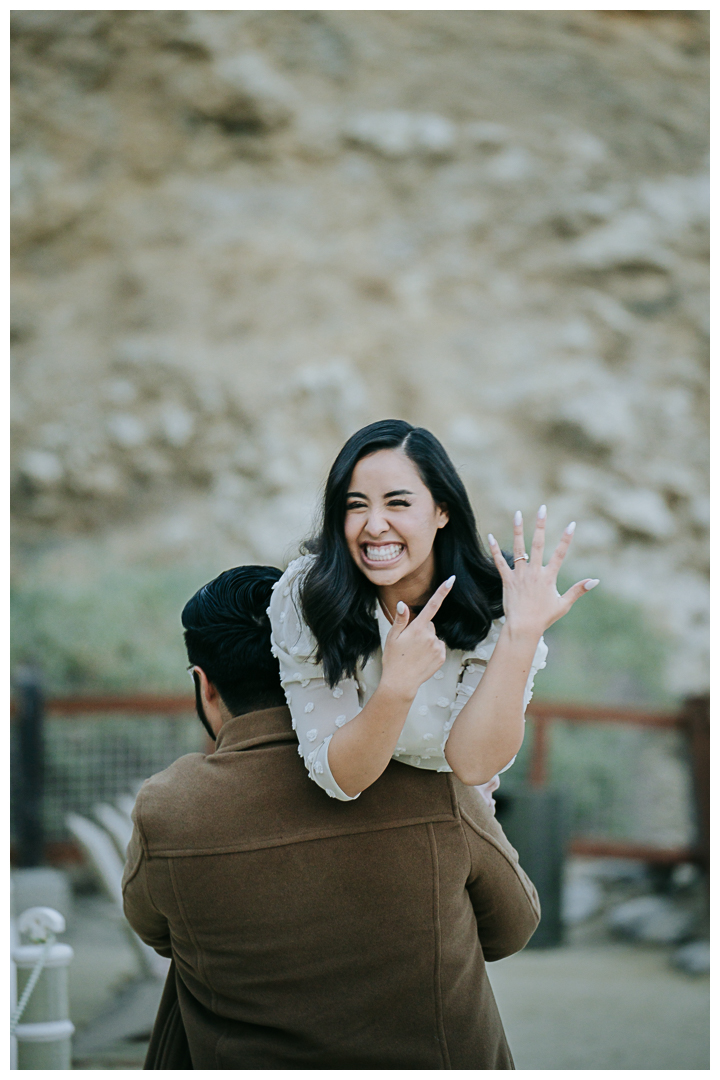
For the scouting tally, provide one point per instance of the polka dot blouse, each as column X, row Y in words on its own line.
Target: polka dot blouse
column 318, row 710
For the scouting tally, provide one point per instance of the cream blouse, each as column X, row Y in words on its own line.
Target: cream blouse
column 318, row 710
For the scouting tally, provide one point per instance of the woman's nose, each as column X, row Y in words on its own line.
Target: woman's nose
column 376, row 524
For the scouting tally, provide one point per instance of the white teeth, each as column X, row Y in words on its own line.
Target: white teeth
column 383, row 554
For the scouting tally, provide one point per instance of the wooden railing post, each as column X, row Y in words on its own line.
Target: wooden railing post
column 537, row 772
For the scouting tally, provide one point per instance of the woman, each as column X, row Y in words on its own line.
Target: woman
column 390, row 630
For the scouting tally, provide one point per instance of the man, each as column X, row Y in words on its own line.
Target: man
column 307, row 933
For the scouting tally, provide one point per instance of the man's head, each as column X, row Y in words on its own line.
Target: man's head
column 227, row 637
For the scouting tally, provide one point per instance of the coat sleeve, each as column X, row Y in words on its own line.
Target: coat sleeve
column 140, row 911
column 504, row 899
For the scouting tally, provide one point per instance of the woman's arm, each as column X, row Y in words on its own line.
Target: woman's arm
column 341, row 756
column 360, row 752
column 489, row 729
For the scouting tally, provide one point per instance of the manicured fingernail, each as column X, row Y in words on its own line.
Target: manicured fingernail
column 591, row 583
column 400, row 607
column 518, row 517
column 542, row 512
column 571, row 528
column 450, row 581
column 491, row 540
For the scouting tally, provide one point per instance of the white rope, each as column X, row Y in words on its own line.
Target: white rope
column 31, row 983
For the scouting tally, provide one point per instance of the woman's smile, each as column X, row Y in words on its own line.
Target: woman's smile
column 382, row 554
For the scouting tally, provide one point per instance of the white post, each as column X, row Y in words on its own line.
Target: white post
column 44, row 1030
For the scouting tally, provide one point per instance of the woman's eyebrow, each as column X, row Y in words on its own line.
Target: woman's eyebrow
column 388, row 494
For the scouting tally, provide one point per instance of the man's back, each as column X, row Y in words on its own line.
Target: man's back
column 314, row 934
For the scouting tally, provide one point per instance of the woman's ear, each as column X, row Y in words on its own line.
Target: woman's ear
column 444, row 517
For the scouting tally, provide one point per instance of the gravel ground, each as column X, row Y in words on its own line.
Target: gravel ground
column 602, row 1006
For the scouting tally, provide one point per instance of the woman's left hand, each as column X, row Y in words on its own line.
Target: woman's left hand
column 530, row 597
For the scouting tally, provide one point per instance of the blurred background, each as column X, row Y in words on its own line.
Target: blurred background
column 239, row 236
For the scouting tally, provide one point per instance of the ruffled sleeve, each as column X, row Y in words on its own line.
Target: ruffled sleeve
column 317, row 710
column 474, row 664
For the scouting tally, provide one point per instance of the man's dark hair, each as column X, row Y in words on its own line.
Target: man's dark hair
column 227, row 634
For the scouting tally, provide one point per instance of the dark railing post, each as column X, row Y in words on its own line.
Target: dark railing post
column 695, row 717
column 30, row 764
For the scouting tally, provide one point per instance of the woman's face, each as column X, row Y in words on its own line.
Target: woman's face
column 391, row 520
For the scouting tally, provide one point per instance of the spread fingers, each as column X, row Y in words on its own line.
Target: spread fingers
column 518, row 539
column 538, row 541
column 498, row 557
column 561, row 550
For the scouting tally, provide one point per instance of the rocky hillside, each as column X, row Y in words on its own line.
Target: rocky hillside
column 238, row 236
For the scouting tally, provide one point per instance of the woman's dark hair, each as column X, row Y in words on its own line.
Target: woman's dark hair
column 338, row 601
column 227, row 634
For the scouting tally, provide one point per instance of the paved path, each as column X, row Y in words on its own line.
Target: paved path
column 602, row 1006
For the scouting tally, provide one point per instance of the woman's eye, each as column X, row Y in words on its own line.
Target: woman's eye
column 398, row 502
column 355, row 506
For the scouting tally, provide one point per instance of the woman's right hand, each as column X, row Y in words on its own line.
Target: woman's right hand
column 413, row 651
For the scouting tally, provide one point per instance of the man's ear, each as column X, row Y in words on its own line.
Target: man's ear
column 208, row 702
column 208, row 691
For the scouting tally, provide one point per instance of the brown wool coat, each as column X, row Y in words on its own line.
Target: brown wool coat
column 313, row 934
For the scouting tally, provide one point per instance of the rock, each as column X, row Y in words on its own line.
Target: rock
column 652, row 919
column 397, row 134
column 693, row 958
column 512, row 165
column 41, row 467
column 241, row 92
column 177, row 423
column 486, row 134
column 631, row 238
column 127, row 431
column 640, row 510
column 273, row 98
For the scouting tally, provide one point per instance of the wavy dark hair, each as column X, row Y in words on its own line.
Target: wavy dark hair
column 227, row 634
column 338, row 602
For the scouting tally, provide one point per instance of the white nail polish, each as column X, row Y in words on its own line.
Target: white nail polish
column 400, row 607
column 491, row 540
column 591, row 583
column 571, row 528
column 542, row 512
column 450, row 581
column 518, row 517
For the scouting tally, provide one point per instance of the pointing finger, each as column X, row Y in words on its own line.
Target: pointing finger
column 401, row 618
column 433, row 605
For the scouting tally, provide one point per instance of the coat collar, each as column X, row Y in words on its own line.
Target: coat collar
column 254, row 729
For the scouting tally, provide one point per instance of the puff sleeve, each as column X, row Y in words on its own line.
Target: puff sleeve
column 317, row 710
column 473, row 667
